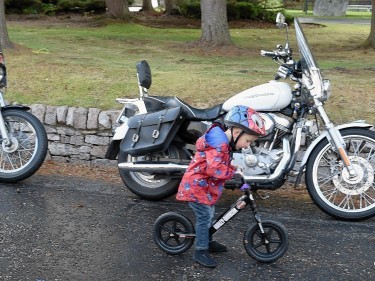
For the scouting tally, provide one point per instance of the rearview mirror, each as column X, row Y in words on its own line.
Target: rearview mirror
column 280, row 20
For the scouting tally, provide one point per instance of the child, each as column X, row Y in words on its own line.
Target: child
column 204, row 180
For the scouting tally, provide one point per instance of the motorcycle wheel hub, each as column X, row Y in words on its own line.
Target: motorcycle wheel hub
column 358, row 184
column 12, row 147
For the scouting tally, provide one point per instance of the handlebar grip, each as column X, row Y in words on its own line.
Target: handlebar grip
column 238, row 176
column 267, row 53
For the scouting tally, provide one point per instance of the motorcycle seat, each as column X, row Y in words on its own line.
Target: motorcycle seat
column 189, row 112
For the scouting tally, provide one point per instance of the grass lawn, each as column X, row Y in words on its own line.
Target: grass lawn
column 63, row 63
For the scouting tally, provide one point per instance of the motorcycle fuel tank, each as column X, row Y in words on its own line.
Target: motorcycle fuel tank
column 271, row 96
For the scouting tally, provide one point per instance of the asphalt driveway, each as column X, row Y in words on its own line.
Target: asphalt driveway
column 61, row 227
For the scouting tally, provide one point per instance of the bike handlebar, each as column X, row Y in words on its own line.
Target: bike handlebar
column 238, row 176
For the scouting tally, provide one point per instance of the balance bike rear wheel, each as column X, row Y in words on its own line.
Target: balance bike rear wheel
column 269, row 247
column 169, row 233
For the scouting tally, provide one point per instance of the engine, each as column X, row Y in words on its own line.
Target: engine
column 264, row 157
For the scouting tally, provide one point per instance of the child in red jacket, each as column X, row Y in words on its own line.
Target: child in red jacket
column 204, row 180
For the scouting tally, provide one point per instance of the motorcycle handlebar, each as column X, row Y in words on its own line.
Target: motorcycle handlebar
column 275, row 54
column 268, row 54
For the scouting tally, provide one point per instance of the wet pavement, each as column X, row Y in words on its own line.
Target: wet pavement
column 70, row 228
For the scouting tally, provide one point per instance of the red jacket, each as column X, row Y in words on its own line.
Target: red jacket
column 204, row 179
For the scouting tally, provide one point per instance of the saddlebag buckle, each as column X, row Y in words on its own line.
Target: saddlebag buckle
column 155, row 134
column 135, row 138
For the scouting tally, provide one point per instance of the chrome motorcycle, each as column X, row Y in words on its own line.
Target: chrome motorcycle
column 23, row 138
column 155, row 137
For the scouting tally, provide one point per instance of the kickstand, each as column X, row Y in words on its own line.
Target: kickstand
column 262, row 196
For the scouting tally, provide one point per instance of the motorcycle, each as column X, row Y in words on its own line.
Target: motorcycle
column 23, row 139
column 155, row 136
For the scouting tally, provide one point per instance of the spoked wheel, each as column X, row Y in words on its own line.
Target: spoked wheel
column 267, row 247
column 148, row 185
column 24, row 152
column 330, row 185
column 173, row 233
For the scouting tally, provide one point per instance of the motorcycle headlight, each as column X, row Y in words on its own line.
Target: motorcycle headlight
column 3, row 76
column 2, row 72
column 326, row 89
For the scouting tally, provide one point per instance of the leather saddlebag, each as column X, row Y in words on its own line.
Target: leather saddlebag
column 151, row 132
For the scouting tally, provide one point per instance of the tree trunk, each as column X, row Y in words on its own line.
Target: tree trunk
column 147, row 6
column 370, row 41
column 168, row 7
column 215, row 29
column 4, row 37
column 117, row 8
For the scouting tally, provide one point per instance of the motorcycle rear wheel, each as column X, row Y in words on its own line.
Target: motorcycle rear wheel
column 329, row 184
column 147, row 185
column 28, row 147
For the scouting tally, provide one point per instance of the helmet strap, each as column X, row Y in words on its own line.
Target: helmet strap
column 233, row 142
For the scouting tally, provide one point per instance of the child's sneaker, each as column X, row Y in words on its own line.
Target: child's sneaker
column 215, row 247
column 203, row 258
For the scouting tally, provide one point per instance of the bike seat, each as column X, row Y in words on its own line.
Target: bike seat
column 189, row 112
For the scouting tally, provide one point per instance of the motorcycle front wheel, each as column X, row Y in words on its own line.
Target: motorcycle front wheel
column 331, row 187
column 147, row 185
column 26, row 149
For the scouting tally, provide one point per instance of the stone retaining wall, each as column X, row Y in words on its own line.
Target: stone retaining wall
column 77, row 134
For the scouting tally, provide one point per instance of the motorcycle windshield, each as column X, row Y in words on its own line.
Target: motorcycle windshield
column 310, row 71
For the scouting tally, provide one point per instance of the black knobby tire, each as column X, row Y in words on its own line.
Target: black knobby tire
column 30, row 145
column 145, row 185
column 329, row 185
column 167, row 230
column 266, row 248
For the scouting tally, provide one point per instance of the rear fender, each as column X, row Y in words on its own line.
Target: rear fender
column 114, row 146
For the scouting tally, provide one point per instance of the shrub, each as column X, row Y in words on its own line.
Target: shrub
column 23, row 6
column 69, row 6
column 54, row 6
column 251, row 9
column 190, row 9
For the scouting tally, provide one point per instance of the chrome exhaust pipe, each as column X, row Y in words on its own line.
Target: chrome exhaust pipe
column 160, row 168
column 155, row 168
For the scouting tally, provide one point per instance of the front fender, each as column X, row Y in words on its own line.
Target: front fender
column 355, row 124
column 15, row 106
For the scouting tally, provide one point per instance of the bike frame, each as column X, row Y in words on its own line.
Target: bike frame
column 235, row 208
column 246, row 199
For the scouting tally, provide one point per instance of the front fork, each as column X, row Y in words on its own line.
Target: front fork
column 4, row 131
column 235, row 208
column 337, row 141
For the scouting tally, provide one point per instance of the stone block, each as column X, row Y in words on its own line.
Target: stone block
column 50, row 117
column 61, row 112
column 93, row 139
column 39, row 111
column 92, row 118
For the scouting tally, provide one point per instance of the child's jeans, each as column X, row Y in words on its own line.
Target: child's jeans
column 204, row 215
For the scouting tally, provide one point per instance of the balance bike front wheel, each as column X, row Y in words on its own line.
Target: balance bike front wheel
column 173, row 233
column 269, row 246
